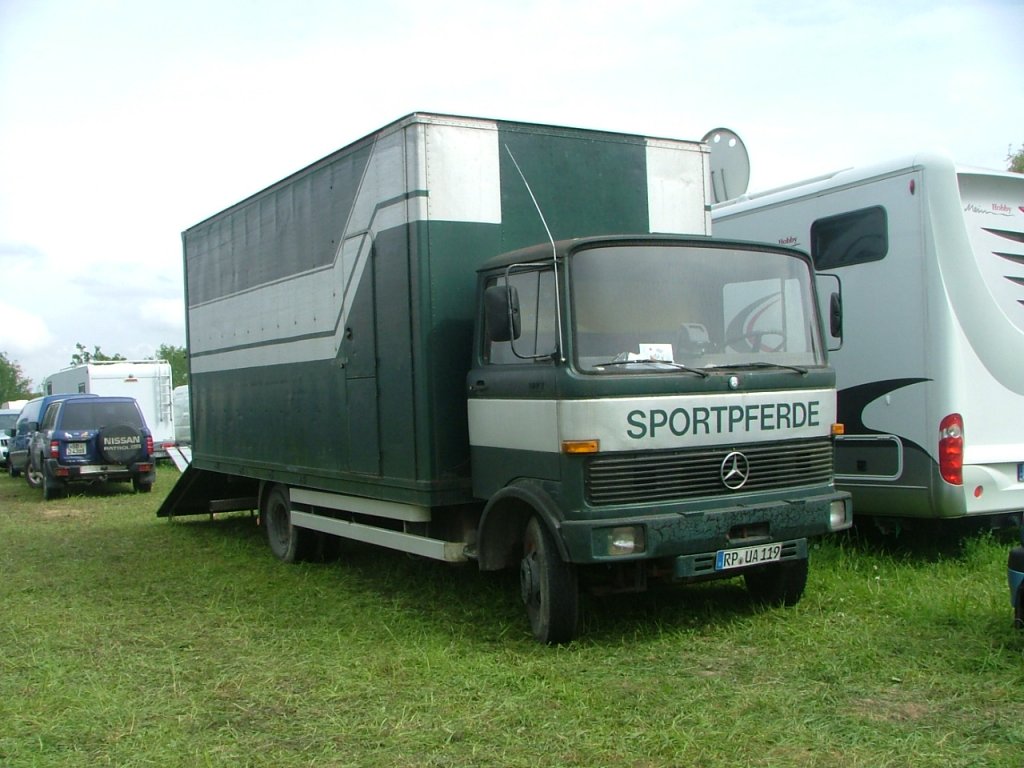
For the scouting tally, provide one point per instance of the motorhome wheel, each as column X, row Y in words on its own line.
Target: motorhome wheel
column 779, row 583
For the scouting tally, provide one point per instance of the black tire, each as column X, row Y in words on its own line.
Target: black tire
column 141, row 487
column 11, row 469
column 549, row 587
column 1018, row 609
column 778, row 583
column 120, row 444
column 33, row 476
column 289, row 543
column 52, row 488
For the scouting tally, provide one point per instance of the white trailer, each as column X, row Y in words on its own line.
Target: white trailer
column 148, row 381
column 930, row 370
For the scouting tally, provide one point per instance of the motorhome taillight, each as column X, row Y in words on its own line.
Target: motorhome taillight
column 951, row 449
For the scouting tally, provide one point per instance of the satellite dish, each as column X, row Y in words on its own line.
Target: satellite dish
column 730, row 164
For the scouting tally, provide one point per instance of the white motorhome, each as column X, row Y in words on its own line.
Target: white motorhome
column 148, row 381
column 930, row 372
column 182, row 415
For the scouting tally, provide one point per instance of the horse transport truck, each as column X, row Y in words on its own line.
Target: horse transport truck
column 931, row 381
column 514, row 345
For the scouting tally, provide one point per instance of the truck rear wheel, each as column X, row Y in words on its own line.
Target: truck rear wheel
column 778, row 584
column 549, row 586
column 288, row 542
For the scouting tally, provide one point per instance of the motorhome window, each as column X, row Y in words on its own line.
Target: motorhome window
column 850, row 238
column 536, row 289
column 650, row 308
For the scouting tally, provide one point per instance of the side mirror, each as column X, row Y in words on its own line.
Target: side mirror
column 830, row 300
column 501, row 310
column 835, row 315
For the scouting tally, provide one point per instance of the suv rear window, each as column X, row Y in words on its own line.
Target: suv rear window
column 81, row 415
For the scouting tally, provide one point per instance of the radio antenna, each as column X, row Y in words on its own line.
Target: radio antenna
column 536, row 205
column 554, row 252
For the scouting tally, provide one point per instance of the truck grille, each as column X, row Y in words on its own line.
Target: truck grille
column 627, row 478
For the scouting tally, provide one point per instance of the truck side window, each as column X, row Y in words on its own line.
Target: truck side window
column 850, row 238
column 537, row 316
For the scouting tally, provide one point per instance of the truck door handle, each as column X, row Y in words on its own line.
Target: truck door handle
column 479, row 385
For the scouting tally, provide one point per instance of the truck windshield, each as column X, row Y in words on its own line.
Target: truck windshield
column 643, row 308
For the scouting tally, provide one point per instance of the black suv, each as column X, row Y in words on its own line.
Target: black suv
column 92, row 439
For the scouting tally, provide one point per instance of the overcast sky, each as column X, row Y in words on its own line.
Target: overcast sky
column 123, row 122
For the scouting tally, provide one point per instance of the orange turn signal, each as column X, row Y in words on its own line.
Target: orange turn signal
column 581, row 446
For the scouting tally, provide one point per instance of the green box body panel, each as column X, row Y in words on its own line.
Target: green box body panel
column 330, row 316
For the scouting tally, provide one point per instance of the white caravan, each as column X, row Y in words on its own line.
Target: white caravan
column 148, row 381
column 930, row 371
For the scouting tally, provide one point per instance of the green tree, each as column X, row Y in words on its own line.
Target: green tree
column 83, row 356
column 178, row 358
column 1015, row 160
column 13, row 384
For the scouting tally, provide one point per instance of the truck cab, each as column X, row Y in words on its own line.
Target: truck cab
column 661, row 406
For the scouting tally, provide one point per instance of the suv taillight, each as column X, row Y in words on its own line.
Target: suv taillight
column 951, row 449
column 149, row 445
column 54, row 449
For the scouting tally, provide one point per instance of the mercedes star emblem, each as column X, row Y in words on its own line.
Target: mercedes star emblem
column 735, row 470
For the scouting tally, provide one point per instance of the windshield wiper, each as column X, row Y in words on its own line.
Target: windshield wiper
column 761, row 364
column 650, row 360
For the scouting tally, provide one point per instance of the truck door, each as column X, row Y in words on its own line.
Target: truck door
column 512, row 390
column 358, row 356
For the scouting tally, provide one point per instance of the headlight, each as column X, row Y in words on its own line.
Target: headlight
column 838, row 517
column 623, row 540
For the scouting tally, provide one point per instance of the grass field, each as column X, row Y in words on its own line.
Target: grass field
column 131, row 641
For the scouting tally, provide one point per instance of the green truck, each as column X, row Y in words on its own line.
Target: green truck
column 516, row 345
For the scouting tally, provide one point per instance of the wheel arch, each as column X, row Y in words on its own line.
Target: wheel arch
column 266, row 486
column 504, row 519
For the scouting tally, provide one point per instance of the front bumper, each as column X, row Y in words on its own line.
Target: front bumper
column 702, row 532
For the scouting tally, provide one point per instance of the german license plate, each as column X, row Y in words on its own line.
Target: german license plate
column 744, row 556
column 76, row 449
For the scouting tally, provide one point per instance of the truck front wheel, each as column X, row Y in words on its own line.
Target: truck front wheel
column 549, row 586
column 778, row 584
column 288, row 542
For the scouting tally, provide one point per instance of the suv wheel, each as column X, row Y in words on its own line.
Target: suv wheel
column 140, row 486
column 33, row 476
column 52, row 489
column 11, row 470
